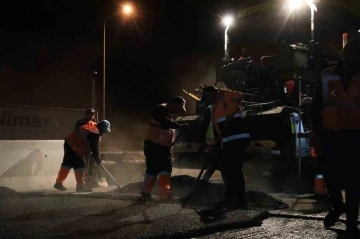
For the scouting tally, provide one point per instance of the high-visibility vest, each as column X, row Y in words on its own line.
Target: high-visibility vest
column 227, row 107
column 210, row 136
column 341, row 108
column 158, row 134
column 77, row 140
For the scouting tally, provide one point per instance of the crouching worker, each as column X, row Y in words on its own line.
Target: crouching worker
column 80, row 144
column 157, row 146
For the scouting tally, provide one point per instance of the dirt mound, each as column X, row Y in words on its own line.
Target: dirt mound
column 208, row 193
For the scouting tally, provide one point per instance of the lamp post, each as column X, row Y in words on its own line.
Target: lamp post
column 93, row 88
column 227, row 21
column 127, row 9
column 295, row 4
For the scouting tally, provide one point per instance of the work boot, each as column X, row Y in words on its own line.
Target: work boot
column 168, row 198
column 60, row 187
column 333, row 216
column 352, row 232
column 83, row 189
column 145, row 197
column 223, row 205
column 240, row 203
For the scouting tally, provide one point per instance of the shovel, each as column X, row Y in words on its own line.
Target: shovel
column 186, row 199
column 117, row 184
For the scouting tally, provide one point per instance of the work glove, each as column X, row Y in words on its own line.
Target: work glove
column 184, row 126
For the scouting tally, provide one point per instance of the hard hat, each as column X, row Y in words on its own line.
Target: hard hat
column 104, row 126
column 209, row 88
column 90, row 111
column 179, row 100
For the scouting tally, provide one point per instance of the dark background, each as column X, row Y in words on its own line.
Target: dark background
column 50, row 48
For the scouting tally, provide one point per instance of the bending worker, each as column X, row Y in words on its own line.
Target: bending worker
column 79, row 144
column 92, row 171
column 230, row 127
column 157, row 145
column 335, row 118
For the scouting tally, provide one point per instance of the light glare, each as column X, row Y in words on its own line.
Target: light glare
column 127, row 9
column 228, row 20
column 295, row 4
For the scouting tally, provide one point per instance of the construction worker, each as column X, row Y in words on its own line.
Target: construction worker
column 157, row 145
column 244, row 54
column 81, row 143
column 94, row 173
column 212, row 152
column 230, row 127
column 89, row 116
column 335, row 118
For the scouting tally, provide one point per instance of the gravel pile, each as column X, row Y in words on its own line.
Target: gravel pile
column 208, row 193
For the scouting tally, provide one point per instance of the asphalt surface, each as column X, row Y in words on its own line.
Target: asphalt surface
column 98, row 215
column 274, row 227
column 109, row 213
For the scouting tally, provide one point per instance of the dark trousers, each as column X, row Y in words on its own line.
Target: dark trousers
column 341, row 164
column 213, row 159
column 158, row 159
column 72, row 160
column 232, row 169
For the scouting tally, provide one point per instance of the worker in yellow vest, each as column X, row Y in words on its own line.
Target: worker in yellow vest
column 335, row 118
column 212, row 151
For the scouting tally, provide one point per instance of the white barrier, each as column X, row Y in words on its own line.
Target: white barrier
column 28, row 165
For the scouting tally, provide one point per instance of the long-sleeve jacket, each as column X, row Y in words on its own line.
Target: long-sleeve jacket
column 160, row 113
column 317, row 101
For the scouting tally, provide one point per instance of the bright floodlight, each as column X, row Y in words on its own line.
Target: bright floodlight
column 228, row 20
column 295, row 4
column 127, row 9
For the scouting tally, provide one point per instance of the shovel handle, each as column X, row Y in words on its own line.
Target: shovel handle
column 117, row 184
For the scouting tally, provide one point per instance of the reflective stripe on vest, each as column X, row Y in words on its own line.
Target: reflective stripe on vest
column 77, row 140
column 236, row 136
column 226, row 107
column 222, row 119
column 210, row 136
column 341, row 108
column 159, row 135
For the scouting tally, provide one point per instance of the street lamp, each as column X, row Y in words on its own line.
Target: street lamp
column 295, row 4
column 127, row 10
column 227, row 21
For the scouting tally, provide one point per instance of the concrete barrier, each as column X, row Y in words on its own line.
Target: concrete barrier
column 28, row 165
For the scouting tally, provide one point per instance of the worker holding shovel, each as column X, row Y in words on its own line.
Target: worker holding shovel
column 157, row 146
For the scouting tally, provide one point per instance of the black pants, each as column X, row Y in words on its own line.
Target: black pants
column 158, row 158
column 341, row 166
column 232, row 169
column 71, row 159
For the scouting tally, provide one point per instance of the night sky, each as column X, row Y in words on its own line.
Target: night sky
column 50, row 49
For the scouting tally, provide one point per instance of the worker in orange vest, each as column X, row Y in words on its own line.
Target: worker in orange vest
column 335, row 118
column 79, row 144
column 157, row 146
column 230, row 126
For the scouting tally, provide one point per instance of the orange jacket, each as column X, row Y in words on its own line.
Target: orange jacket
column 159, row 135
column 341, row 108
column 77, row 140
column 227, row 107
